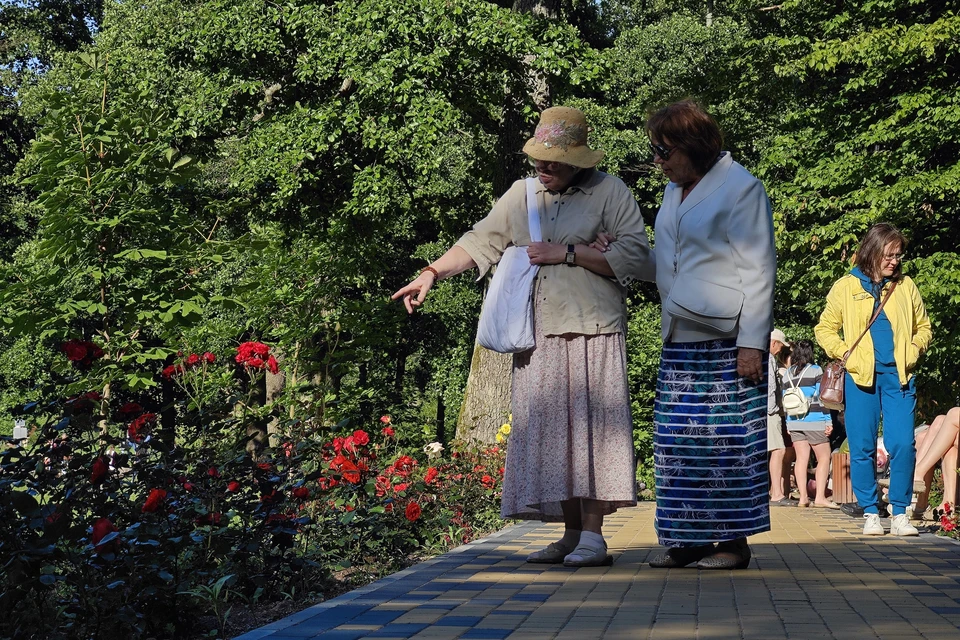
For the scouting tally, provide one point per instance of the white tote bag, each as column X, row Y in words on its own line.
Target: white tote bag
column 506, row 320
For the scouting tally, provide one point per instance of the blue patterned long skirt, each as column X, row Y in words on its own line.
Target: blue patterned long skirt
column 710, row 446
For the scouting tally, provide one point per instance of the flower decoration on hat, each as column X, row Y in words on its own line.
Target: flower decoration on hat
column 560, row 133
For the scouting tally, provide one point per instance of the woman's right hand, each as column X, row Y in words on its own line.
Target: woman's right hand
column 602, row 243
column 416, row 292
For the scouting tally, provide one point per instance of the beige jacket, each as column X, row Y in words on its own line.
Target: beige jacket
column 572, row 300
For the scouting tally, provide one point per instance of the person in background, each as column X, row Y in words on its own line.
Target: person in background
column 778, row 442
column 811, row 431
column 571, row 455
column 879, row 381
column 715, row 268
column 939, row 443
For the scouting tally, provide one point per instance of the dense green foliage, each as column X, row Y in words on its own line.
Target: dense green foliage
column 208, row 172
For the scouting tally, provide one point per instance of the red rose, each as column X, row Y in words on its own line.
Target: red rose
column 388, row 507
column 412, row 512
column 75, row 350
column 487, row 481
column 193, row 360
column 301, row 493
column 432, row 474
column 210, row 518
column 350, row 473
column 270, row 498
column 385, row 419
column 405, row 464
column 272, row 365
column 209, row 357
column 400, row 488
column 382, row 485
column 100, row 470
column 348, row 445
column 360, row 438
column 129, row 409
column 947, row 508
column 337, row 444
column 255, row 363
column 264, row 466
column 233, row 486
column 213, row 472
column 250, row 351
column 188, row 486
column 136, row 429
column 101, row 529
column 168, row 372
column 93, row 351
column 387, row 431
column 154, row 500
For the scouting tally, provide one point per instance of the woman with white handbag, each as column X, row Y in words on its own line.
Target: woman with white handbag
column 570, row 457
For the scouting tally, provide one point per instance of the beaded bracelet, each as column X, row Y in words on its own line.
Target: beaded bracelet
column 436, row 274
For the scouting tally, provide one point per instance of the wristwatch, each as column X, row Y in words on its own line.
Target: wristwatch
column 571, row 259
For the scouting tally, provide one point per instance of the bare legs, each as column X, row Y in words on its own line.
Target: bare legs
column 777, row 491
column 582, row 514
column 822, row 451
column 941, row 441
column 802, row 447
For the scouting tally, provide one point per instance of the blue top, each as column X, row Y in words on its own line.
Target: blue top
column 808, row 380
column 881, row 331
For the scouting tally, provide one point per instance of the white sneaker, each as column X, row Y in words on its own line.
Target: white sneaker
column 900, row 526
column 872, row 526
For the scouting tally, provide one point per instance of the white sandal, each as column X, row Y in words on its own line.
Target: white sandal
column 586, row 556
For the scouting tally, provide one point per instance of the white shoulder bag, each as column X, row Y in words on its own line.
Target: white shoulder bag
column 506, row 319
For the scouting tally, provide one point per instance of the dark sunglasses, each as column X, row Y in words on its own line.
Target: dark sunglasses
column 661, row 151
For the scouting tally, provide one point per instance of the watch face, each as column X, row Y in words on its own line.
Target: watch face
column 571, row 257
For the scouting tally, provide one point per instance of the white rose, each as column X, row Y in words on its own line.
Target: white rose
column 433, row 450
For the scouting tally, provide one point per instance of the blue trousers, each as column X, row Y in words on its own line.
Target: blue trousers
column 864, row 408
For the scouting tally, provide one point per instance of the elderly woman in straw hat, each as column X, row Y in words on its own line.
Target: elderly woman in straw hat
column 570, row 457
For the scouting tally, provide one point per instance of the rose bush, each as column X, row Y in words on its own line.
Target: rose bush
column 119, row 510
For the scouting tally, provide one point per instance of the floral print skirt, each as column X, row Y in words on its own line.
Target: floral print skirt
column 710, row 446
column 572, row 433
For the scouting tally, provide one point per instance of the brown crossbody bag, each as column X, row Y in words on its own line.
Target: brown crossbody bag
column 831, row 383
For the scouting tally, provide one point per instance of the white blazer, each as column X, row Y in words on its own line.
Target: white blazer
column 715, row 259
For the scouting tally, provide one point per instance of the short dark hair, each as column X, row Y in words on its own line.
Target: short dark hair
column 687, row 126
column 802, row 354
column 870, row 254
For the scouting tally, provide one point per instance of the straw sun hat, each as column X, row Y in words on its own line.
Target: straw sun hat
column 561, row 136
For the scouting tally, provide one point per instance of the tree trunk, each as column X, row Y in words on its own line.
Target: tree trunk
column 486, row 401
column 274, row 389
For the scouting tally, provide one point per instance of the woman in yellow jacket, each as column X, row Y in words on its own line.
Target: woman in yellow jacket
column 879, row 380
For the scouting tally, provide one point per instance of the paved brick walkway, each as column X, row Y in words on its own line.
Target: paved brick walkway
column 813, row 576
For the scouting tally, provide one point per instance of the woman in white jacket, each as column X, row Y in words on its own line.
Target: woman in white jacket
column 715, row 265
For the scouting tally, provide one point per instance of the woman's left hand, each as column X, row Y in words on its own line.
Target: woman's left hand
column 546, row 253
column 750, row 363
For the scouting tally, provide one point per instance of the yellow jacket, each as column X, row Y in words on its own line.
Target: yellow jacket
column 849, row 308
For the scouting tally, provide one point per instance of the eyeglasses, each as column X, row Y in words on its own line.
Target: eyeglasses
column 661, row 151
column 547, row 164
column 895, row 257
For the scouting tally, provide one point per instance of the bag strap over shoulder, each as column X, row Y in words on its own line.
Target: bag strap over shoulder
column 873, row 319
column 791, row 380
column 533, row 211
